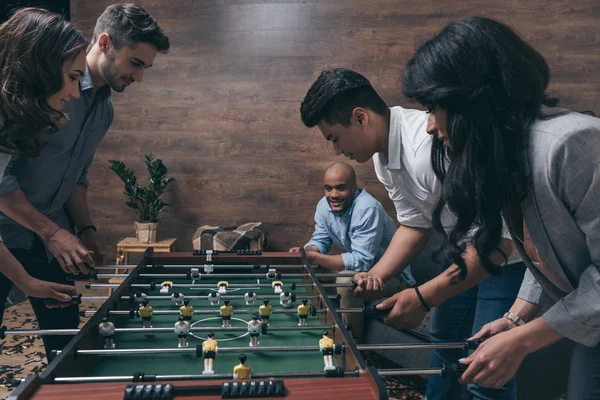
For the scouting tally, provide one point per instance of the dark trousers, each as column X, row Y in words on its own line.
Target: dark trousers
column 584, row 374
column 37, row 265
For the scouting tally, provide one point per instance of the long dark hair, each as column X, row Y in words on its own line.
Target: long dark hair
column 34, row 46
column 492, row 84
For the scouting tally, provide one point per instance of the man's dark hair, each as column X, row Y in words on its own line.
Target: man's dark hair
column 334, row 95
column 129, row 24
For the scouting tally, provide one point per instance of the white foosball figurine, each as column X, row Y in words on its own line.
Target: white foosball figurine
column 250, row 298
column 254, row 328
column 195, row 274
column 139, row 297
column 209, row 268
column 166, row 286
column 272, row 274
column 214, row 298
column 277, row 287
column 285, row 299
column 182, row 328
column 107, row 331
column 177, row 299
column 209, row 254
column 222, row 287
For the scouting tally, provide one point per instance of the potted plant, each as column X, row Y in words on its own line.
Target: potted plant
column 145, row 201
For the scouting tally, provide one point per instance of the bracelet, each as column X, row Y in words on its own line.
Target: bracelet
column 422, row 300
column 515, row 319
column 85, row 228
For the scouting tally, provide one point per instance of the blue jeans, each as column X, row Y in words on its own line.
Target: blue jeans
column 462, row 316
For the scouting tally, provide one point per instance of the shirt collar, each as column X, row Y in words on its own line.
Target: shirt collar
column 85, row 83
column 349, row 210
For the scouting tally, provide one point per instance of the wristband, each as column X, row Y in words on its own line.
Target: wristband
column 85, row 228
column 422, row 300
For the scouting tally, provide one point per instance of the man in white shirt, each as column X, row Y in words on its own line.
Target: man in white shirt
column 350, row 114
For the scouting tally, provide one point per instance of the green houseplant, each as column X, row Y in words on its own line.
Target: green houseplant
column 145, row 200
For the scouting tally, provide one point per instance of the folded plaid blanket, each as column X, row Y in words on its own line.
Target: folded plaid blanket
column 250, row 236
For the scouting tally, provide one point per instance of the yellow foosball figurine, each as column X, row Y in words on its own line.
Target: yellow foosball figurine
column 326, row 346
column 277, row 287
column 265, row 312
column 222, row 287
column 209, row 352
column 226, row 311
column 186, row 310
column 303, row 310
column 146, row 313
column 242, row 371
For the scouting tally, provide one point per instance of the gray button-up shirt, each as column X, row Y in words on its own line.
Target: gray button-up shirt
column 47, row 181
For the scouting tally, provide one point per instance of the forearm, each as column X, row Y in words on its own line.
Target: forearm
column 446, row 286
column 535, row 335
column 406, row 244
column 333, row 262
column 16, row 206
column 77, row 207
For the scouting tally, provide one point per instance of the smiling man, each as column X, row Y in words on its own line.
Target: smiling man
column 355, row 119
column 359, row 226
column 42, row 198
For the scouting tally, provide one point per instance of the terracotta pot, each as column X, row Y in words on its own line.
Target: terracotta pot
column 146, row 231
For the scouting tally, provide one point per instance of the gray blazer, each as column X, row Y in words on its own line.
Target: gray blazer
column 563, row 217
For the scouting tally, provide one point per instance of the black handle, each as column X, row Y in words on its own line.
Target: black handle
column 373, row 311
column 75, row 299
column 92, row 276
column 474, row 344
column 454, row 370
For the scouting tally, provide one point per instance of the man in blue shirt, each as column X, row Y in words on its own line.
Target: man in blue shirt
column 359, row 226
column 41, row 198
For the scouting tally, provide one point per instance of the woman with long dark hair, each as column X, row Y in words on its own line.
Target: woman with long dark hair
column 505, row 152
column 42, row 58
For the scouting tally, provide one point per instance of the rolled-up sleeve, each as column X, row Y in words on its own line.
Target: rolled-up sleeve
column 576, row 179
column 531, row 291
column 365, row 236
column 82, row 180
column 320, row 238
column 8, row 181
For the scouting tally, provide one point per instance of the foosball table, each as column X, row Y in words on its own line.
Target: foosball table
column 212, row 325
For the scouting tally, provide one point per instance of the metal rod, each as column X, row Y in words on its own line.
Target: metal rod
column 89, row 313
column 120, row 352
column 211, row 286
column 227, row 276
column 308, row 374
column 238, row 297
column 66, row 332
column 199, row 266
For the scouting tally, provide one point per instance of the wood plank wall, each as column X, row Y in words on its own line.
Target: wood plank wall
column 222, row 109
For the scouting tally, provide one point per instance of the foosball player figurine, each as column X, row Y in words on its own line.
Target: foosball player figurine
column 209, row 352
column 222, row 287
column 186, row 310
column 254, row 328
column 139, row 297
column 107, row 331
column 285, row 299
column 242, row 371
column 195, row 273
column 214, row 298
column 265, row 312
column 182, row 328
column 146, row 313
column 166, row 286
column 303, row 311
column 177, row 298
column 326, row 346
column 277, row 287
column 250, row 298
column 226, row 311
column 209, row 268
